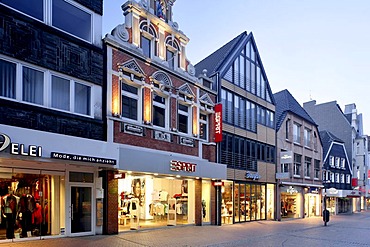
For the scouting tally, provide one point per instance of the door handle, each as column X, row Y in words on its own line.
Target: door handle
column 72, row 211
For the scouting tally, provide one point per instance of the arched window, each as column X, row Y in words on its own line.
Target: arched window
column 173, row 53
column 148, row 39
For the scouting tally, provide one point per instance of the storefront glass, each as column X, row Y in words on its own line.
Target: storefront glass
column 249, row 202
column 270, row 201
column 206, row 201
column 291, row 202
column 161, row 202
column 32, row 203
column 227, row 203
column 312, row 205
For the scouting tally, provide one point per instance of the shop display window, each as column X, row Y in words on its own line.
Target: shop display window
column 31, row 204
column 154, row 196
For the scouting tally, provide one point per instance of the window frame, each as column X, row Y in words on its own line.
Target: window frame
column 187, row 114
column 164, row 106
column 297, row 133
column 307, row 168
column 48, row 17
column 307, row 137
column 138, row 97
column 205, row 123
column 47, row 87
column 297, row 165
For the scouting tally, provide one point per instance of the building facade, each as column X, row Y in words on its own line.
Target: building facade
column 248, row 130
column 53, row 149
column 299, row 152
column 337, row 174
column 347, row 126
column 162, row 118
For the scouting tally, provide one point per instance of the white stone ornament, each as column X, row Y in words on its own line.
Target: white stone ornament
column 191, row 69
column 121, row 32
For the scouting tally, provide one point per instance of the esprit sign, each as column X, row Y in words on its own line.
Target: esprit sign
column 176, row 166
column 19, row 149
column 218, row 123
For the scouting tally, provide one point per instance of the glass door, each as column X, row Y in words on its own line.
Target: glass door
column 81, row 209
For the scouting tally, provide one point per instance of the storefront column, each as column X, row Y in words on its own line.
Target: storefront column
column 110, row 185
column 198, row 202
column 215, row 209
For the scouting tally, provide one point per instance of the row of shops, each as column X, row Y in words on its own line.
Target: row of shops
column 56, row 188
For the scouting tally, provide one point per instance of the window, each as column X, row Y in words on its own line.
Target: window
column 317, row 169
column 145, row 44
column 343, row 163
column 227, row 106
column 65, row 93
column 65, row 16
column 331, row 161
column 61, row 14
column 82, row 99
column 307, row 137
column 296, row 133
column 297, row 164
column 33, row 86
column 170, row 58
column 7, row 79
column 307, row 164
column 32, row 8
column 342, row 178
column 159, row 111
column 337, row 162
column 148, row 41
column 332, row 177
column 348, row 179
column 203, row 126
column 285, row 168
column 130, row 99
column 337, row 177
column 60, row 93
column 287, row 124
column 183, row 118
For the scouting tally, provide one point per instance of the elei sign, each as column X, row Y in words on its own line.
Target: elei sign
column 218, row 122
column 177, row 166
column 19, row 149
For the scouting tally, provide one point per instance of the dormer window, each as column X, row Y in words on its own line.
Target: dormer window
column 172, row 53
column 148, row 39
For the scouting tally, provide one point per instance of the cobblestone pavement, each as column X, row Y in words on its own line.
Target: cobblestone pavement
column 343, row 230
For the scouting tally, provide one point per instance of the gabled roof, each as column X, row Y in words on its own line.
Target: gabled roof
column 213, row 62
column 284, row 103
column 327, row 138
column 221, row 60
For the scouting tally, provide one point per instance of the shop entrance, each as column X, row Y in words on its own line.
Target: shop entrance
column 80, row 202
column 81, row 220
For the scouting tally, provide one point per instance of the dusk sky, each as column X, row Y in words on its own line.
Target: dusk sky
column 316, row 49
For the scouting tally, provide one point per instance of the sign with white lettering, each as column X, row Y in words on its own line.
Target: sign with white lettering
column 254, row 176
column 176, row 166
column 75, row 157
column 286, row 157
column 19, row 149
column 218, row 122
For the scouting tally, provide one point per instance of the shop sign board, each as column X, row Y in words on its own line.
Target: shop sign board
column 254, row 176
column 286, row 157
column 218, row 183
column 176, row 165
column 18, row 148
column 218, row 122
column 82, row 158
column 282, row 175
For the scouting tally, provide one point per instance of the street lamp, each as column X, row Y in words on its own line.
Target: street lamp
column 325, row 213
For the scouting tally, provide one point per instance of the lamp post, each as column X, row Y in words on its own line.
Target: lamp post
column 325, row 213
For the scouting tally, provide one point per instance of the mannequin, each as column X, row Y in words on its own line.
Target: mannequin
column 9, row 210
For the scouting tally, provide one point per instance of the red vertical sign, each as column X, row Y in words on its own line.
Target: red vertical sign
column 218, row 123
column 354, row 182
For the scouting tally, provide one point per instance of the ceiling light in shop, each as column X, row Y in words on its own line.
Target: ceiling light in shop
column 178, row 176
column 155, row 174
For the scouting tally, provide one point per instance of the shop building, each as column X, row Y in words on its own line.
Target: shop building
column 53, row 150
column 163, row 119
column 248, row 130
column 348, row 126
column 337, row 175
column 300, row 160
